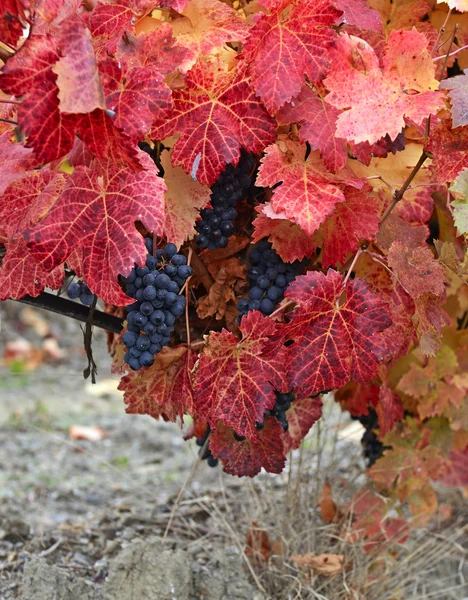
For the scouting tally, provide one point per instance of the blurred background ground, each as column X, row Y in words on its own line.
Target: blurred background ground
column 85, row 519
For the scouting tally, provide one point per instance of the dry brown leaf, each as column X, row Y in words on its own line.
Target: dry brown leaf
column 258, row 543
column 328, row 508
column 226, row 274
column 322, row 564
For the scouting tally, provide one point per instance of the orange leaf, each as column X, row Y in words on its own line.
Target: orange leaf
column 322, row 564
column 328, row 510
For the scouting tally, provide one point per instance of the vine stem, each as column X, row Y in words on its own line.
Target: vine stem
column 398, row 195
column 440, row 33
column 67, row 308
column 451, row 40
column 9, row 121
column 2, row 101
column 351, row 266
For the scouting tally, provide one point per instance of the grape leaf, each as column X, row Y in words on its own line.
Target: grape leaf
column 278, row 68
column 308, row 193
column 404, row 87
column 304, row 412
column 432, row 385
column 80, row 88
column 21, row 274
column 164, row 389
column 317, row 119
column 96, row 212
column 217, row 114
column 356, row 12
column 417, row 270
column 430, row 319
column 334, row 341
column 157, row 49
column 357, row 398
column 455, row 469
column 396, row 229
column 460, row 205
column 450, row 149
column 137, row 96
column 247, row 458
column 458, row 94
column 184, row 199
column 208, row 25
column 12, row 21
column 389, row 409
column 15, row 160
column 288, row 239
column 177, row 5
column 235, row 382
column 108, row 23
column 355, row 219
column 226, row 275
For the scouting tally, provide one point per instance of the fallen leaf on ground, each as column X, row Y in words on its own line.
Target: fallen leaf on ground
column 322, row 564
column 82, row 432
column 327, row 504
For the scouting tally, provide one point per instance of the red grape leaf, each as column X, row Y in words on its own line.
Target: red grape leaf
column 389, row 409
column 21, row 274
column 26, row 200
column 29, row 73
column 157, row 49
column 375, row 100
column 356, row 398
column 108, row 22
column 355, row 219
column 96, row 214
column 334, row 341
column 430, row 319
column 207, row 26
column 356, row 12
column 163, row 389
column 288, row 45
column 247, row 458
column 177, row 5
column 15, row 160
column 217, row 114
column 396, row 229
column 137, row 96
column 288, row 239
column 317, row 119
column 49, row 9
column 417, row 270
column 12, row 21
column 184, row 199
column 455, row 470
column 432, row 384
column 80, row 88
column 106, row 141
column 458, row 93
column 450, row 149
column 308, row 193
column 235, row 382
column 304, row 412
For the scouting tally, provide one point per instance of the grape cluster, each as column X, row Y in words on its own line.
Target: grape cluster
column 268, row 279
column 373, row 447
column 79, row 289
column 155, row 287
column 217, row 223
column 211, row 460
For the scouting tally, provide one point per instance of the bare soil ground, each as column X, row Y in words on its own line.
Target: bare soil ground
column 86, row 520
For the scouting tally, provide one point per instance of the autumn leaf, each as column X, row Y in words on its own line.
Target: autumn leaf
column 460, row 204
column 323, row 564
column 389, row 409
column 450, row 149
column 235, row 383
column 96, row 212
column 403, row 87
column 137, row 96
column 108, row 23
column 80, row 88
column 458, row 94
column 328, row 509
column 334, row 341
column 15, row 160
column 184, row 199
column 164, row 389
column 357, row 398
column 432, row 384
column 317, row 119
column 12, row 21
column 226, row 276
column 271, row 51
column 308, row 193
column 455, row 470
column 217, row 114
column 208, row 25
column 356, row 12
column 354, row 219
column 302, row 414
column 288, row 239
column 248, row 457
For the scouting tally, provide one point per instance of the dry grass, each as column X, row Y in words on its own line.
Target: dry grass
column 431, row 564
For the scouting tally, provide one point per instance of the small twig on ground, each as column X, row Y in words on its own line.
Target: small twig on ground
column 54, row 547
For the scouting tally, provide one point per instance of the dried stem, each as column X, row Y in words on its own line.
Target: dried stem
column 447, row 56
column 9, row 121
column 441, row 32
column 452, row 37
column 398, row 195
column 351, row 267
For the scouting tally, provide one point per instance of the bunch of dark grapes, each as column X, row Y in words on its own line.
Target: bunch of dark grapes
column 79, row 289
column 211, row 460
column 151, row 318
column 373, row 447
column 268, row 279
column 217, row 223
